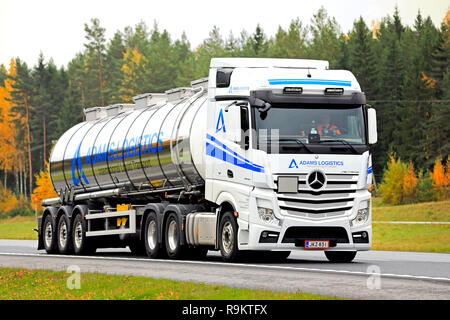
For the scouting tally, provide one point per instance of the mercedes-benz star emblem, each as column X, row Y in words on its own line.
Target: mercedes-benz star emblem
column 316, row 180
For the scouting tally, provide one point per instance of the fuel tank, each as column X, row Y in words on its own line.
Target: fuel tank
column 154, row 143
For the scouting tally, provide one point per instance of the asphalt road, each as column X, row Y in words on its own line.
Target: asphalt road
column 372, row 275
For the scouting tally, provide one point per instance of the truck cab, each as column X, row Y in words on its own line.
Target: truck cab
column 288, row 148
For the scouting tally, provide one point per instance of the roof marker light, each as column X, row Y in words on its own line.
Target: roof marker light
column 293, row 90
column 334, row 91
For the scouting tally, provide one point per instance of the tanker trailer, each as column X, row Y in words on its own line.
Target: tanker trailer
column 238, row 162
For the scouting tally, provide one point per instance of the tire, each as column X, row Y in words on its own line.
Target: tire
column 228, row 230
column 64, row 235
column 152, row 246
column 49, row 235
column 81, row 244
column 340, row 256
column 172, row 236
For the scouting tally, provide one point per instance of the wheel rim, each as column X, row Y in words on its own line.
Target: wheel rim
column 48, row 234
column 173, row 235
column 63, row 234
column 78, row 234
column 151, row 235
column 227, row 237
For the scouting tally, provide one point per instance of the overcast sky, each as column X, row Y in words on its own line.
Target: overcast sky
column 56, row 27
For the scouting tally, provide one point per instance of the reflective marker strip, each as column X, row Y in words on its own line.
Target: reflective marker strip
column 311, row 81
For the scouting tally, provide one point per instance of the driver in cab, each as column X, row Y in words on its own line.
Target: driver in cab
column 325, row 127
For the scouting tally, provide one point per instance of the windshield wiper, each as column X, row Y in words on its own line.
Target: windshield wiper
column 341, row 141
column 300, row 142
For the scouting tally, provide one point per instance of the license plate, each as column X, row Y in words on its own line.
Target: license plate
column 317, row 244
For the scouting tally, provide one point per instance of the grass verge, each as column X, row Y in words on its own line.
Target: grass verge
column 48, row 285
column 411, row 237
column 18, row 228
column 427, row 211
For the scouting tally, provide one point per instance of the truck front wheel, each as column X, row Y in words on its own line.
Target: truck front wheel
column 340, row 256
column 228, row 245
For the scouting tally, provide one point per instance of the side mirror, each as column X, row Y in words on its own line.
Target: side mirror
column 372, row 126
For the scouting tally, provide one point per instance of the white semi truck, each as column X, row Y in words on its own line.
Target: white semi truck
column 264, row 155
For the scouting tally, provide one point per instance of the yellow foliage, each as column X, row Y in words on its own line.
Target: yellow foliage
column 441, row 179
column 8, row 145
column 410, row 184
column 133, row 72
column 430, row 82
column 392, row 190
column 375, row 24
column 8, row 201
column 44, row 187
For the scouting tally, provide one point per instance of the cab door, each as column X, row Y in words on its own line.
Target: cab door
column 228, row 142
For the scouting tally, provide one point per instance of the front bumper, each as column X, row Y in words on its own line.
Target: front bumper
column 292, row 231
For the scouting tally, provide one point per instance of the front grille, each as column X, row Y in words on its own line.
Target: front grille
column 334, row 200
column 300, row 234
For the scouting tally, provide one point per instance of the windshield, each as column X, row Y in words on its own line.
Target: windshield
column 305, row 127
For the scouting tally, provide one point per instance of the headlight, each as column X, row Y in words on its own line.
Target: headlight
column 267, row 215
column 361, row 217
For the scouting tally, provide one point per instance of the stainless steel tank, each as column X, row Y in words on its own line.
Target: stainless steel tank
column 134, row 146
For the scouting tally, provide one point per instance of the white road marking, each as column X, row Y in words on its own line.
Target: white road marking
column 411, row 222
column 390, row 275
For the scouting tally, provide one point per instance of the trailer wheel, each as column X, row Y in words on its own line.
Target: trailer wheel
column 228, row 230
column 49, row 235
column 152, row 246
column 340, row 256
column 64, row 235
column 172, row 237
column 81, row 243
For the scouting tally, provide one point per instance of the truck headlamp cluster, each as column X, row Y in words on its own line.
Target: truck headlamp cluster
column 361, row 217
column 267, row 216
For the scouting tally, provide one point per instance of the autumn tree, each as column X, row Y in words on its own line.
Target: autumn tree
column 44, row 187
column 441, row 179
column 21, row 96
column 133, row 74
column 9, row 154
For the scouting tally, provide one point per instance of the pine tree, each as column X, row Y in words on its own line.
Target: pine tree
column 361, row 57
column 113, row 65
column 325, row 39
column 389, row 89
column 94, row 63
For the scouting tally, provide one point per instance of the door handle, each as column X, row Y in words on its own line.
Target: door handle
column 230, row 174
